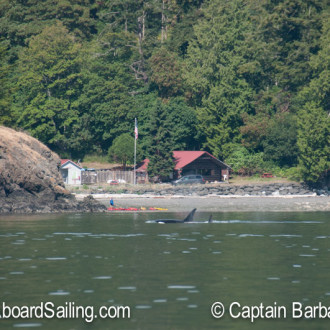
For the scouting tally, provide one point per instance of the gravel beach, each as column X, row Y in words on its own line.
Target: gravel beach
column 219, row 203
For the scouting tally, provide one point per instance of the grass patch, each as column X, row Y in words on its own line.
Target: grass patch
column 236, row 179
column 94, row 158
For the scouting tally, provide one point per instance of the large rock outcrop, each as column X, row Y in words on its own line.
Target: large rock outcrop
column 30, row 180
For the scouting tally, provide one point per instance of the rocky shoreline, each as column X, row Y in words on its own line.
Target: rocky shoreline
column 275, row 197
column 220, row 189
column 30, row 181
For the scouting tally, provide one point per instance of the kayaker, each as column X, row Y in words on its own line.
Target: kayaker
column 111, row 202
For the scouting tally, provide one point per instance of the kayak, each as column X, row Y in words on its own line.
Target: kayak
column 136, row 209
column 122, row 209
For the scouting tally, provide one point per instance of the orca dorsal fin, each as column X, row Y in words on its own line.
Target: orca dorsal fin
column 190, row 216
column 210, row 219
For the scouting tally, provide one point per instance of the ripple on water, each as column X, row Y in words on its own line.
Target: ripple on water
column 182, row 287
column 182, row 299
column 286, row 235
column 59, row 293
column 19, row 242
column 132, row 288
column 27, row 325
column 160, row 301
column 88, row 291
column 143, row 306
column 102, row 277
column 55, row 258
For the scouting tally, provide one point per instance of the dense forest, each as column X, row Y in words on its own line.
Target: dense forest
column 245, row 80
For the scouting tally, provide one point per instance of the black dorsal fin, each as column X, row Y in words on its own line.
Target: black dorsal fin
column 190, row 216
column 210, row 219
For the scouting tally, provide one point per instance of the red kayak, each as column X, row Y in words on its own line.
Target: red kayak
column 122, row 209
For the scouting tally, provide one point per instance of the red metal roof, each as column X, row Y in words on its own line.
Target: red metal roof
column 64, row 161
column 144, row 166
column 181, row 158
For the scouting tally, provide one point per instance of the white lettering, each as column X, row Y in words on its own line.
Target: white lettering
column 257, row 312
column 68, row 311
column 234, row 316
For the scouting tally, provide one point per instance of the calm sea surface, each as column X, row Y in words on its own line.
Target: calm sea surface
column 169, row 275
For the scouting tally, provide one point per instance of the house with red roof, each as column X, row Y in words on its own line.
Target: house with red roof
column 193, row 162
column 70, row 171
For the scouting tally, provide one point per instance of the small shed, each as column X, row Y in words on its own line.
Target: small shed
column 71, row 171
column 141, row 172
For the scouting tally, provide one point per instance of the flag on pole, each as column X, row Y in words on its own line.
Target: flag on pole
column 136, row 130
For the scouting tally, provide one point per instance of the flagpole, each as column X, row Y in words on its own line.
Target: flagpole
column 135, row 138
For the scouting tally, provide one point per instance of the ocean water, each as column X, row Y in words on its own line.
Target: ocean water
column 66, row 267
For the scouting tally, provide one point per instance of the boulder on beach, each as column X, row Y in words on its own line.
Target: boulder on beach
column 30, row 181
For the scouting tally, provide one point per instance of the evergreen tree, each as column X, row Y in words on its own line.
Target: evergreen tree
column 314, row 143
column 109, row 86
column 160, row 143
column 166, row 73
column 6, row 116
column 280, row 142
column 48, row 84
column 314, row 123
column 215, row 57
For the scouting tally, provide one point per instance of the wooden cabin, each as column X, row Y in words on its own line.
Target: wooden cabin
column 192, row 162
column 200, row 162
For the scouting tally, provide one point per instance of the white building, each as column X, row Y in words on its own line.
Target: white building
column 71, row 172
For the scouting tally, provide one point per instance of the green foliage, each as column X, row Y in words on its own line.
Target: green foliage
column 245, row 163
column 95, row 158
column 122, row 150
column 6, row 117
column 314, row 142
column 166, row 73
column 48, row 83
column 280, row 142
column 212, row 72
column 293, row 173
column 179, row 119
column 159, row 147
column 313, row 116
column 243, row 79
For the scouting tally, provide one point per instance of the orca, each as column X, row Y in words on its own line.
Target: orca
column 188, row 218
